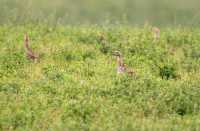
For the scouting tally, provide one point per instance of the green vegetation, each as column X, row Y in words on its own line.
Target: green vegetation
column 74, row 85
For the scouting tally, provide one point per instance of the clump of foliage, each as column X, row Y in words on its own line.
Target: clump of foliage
column 168, row 72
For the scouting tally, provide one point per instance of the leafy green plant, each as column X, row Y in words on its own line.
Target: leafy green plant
column 168, row 72
column 52, row 73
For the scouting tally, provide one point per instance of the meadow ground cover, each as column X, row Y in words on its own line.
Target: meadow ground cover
column 75, row 86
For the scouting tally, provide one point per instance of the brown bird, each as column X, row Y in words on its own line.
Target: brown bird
column 30, row 54
column 156, row 33
column 121, row 67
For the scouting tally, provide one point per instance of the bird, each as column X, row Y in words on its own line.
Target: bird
column 29, row 53
column 121, row 66
column 156, row 33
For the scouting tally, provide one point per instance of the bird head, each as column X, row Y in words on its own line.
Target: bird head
column 117, row 53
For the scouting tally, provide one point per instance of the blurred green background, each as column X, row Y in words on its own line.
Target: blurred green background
column 134, row 12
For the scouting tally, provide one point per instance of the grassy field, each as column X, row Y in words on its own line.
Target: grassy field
column 74, row 84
